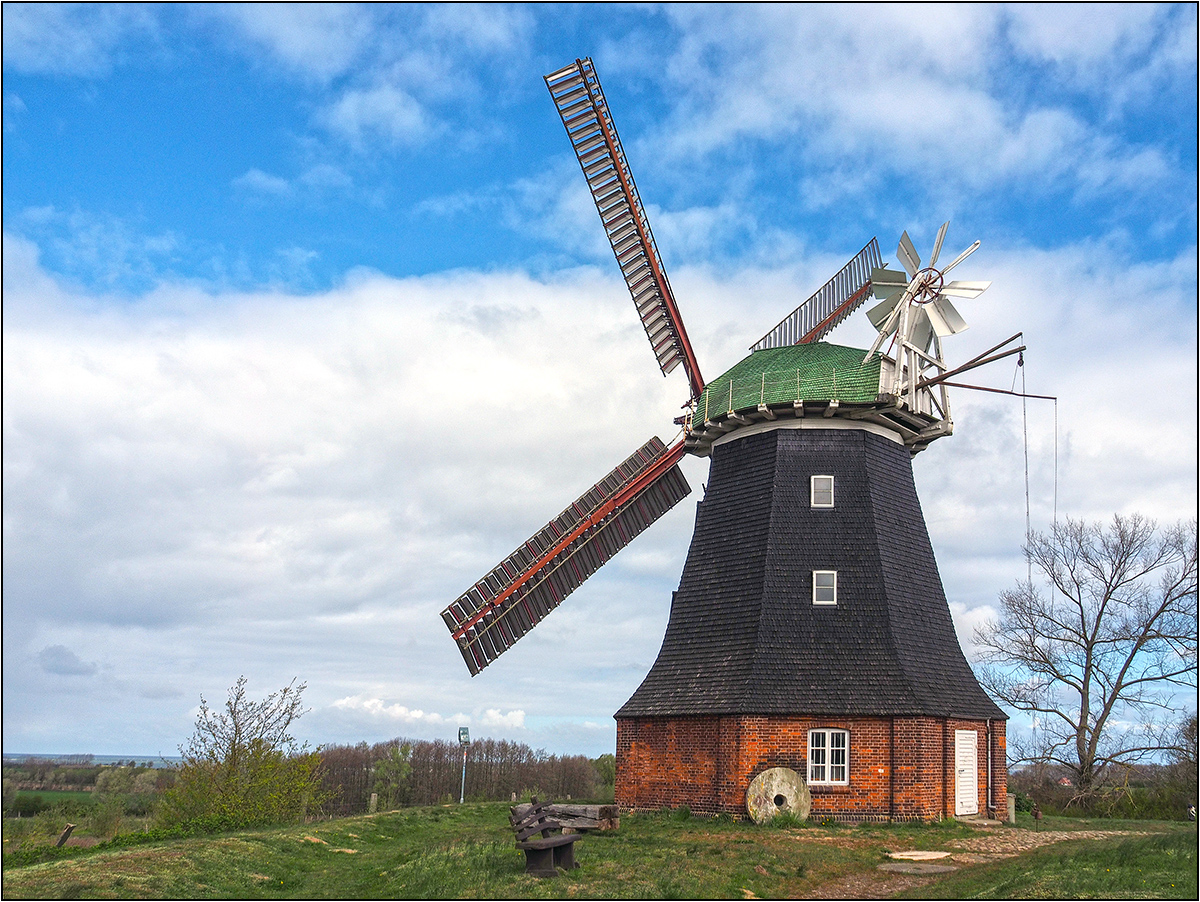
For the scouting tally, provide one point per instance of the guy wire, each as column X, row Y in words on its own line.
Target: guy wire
column 1025, row 437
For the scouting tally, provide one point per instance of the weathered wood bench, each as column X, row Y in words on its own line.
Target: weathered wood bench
column 539, row 836
column 579, row 818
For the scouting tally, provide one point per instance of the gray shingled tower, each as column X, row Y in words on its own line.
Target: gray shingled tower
column 744, row 634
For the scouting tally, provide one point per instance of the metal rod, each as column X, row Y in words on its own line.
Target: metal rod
column 1000, row 391
column 925, row 383
column 462, row 792
column 993, row 350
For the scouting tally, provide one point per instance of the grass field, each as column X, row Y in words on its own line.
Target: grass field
column 1161, row 866
column 467, row 851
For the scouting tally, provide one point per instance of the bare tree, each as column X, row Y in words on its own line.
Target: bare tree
column 1099, row 656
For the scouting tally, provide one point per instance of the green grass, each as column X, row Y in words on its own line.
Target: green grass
column 468, row 852
column 1143, row 867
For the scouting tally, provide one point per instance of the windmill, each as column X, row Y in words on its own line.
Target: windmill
column 795, row 431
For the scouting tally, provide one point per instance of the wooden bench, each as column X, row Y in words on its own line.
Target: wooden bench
column 579, row 818
column 539, row 836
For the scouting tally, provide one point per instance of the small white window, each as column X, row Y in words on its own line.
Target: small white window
column 824, row 587
column 822, row 491
column 829, row 756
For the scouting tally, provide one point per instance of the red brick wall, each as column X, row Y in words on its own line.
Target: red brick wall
column 999, row 803
column 900, row 768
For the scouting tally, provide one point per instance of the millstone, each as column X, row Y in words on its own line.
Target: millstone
column 779, row 790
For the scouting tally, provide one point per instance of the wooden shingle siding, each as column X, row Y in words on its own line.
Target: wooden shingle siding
column 743, row 634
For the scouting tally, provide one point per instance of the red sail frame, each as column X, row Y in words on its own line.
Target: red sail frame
column 509, row 601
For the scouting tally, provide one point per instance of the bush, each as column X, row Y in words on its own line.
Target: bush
column 28, row 805
column 242, row 768
column 105, row 819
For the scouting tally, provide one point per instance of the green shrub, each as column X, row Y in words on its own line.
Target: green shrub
column 242, row 768
column 105, row 818
column 264, row 786
column 25, row 805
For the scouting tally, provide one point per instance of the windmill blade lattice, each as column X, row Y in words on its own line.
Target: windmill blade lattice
column 916, row 302
column 580, row 102
column 521, row 590
column 830, row 305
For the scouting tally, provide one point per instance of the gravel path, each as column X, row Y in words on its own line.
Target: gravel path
column 990, row 845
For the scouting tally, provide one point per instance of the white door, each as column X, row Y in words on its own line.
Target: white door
column 966, row 772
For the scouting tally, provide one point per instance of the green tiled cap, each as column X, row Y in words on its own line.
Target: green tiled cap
column 809, row 372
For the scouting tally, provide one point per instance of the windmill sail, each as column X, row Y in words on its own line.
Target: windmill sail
column 584, row 111
column 832, row 303
column 508, row 602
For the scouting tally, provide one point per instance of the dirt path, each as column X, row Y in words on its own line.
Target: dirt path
column 992, row 844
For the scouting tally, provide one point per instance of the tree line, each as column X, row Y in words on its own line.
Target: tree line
column 421, row 772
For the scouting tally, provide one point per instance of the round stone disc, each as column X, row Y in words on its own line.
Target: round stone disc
column 917, row 855
column 779, row 790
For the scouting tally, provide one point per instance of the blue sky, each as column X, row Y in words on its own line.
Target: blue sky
column 309, row 320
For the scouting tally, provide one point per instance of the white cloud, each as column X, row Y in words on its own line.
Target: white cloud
column 317, row 40
column 100, row 248
column 479, row 27
column 513, row 720
column 396, row 714
column 383, row 111
column 325, row 176
column 918, row 90
column 259, row 182
column 1088, row 40
column 376, row 708
column 73, row 38
column 242, row 476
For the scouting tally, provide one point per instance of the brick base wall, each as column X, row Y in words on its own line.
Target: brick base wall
column 901, row 768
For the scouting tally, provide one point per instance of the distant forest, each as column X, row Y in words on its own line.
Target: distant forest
column 495, row 770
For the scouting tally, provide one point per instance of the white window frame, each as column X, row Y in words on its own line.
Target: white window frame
column 820, row 573
column 829, row 757
column 812, row 491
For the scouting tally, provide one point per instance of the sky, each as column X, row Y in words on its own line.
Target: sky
column 309, row 320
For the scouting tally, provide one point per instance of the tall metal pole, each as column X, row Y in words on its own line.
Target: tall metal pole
column 464, row 739
column 463, row 789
